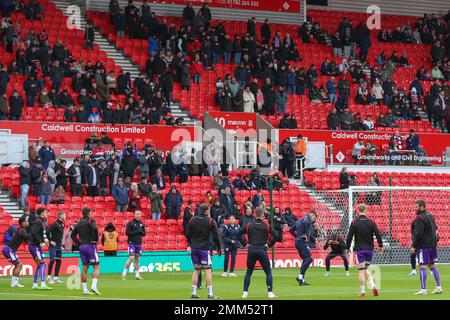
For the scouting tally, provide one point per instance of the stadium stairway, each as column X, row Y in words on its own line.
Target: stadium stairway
column 9, row 204
column 121, row 60
column 104, row 44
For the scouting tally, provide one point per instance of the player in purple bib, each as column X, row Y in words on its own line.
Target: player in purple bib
column 9, row 250
column 363, row 230
column 86, row 234
column 36, row 247
column 135, row 230
column 424, row 243
column 199, row 232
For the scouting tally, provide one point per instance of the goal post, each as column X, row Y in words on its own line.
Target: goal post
column 392, row 208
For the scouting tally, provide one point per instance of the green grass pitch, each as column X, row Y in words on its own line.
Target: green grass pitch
column 395, row 284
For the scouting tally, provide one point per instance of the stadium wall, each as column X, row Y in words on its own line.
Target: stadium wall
column 409, row 7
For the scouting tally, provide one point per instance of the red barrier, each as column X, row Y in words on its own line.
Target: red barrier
column 434, row 144
column 68, row 139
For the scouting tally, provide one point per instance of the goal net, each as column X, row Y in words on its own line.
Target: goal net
column 392, row 209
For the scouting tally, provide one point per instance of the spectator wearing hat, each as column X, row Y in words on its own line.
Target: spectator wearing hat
column 109, row 240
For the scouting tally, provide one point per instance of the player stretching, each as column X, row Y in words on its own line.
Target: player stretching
column 135, row 230
column 9, row 250
column 364, row 229
column 303, row 232
column 87, row 230
column 424, row 242
column 36, row 248
column 198, row 233
column 337, row 244
column 258, row 233
column 55, row 235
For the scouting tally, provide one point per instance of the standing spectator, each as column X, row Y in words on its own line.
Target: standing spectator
column 227, row 201
column 74, row 173
column 16, row 105
column 134, row 197
column 46, row 153
column 249, row 100
column 300, row 151
column 281, row 98
column 332, row 90
column 91, row 178
column 45, row 188
column 438, row 110
column 231, row 246
column 109, row 240
column 120, row 194
column 266, row 34
column 346, row 119
column 173, row 202
column 52, row 173
column 156, row 198
column 25, row 182
column 344, row 178
column 188, row 14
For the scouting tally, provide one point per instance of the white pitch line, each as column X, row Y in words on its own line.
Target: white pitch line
column 250, row 296
column 81, row 297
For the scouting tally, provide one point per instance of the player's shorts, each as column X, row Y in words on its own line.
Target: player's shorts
column 201, row 257
column 303, row 249
column 10, row 255
column 89, row 255
column 134, row 249
column 364, row 257
column 36, row 252
column 55, row 253
column 427, row 256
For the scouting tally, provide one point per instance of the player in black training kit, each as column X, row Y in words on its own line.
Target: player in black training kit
column 337, row 244
column 55, row 235
column 87, row 231
column 199, row 232
column 258, row 233
column 364, row 229
column 9, row 250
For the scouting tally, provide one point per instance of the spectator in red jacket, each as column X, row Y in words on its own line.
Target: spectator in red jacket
column 197, row 69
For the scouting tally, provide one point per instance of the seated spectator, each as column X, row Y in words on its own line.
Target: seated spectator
column 413, row 141
column 333, row 120
column 59, row 196
column 173, row 202
column 403, row 61
column 120, row 194
column 357, row 149
column 290, row 217
column 346, row 120
column 368, row 124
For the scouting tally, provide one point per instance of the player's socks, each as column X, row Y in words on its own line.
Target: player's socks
column 271, row 295
column 423, row 278
column 244, row 295
column 362, row 289
column 210, row 291
column 43, row 273
column 84, row 286
column 194, row 290
column 94, row 283
column 124, row 273
column 36, row 276
column 372, row 282
column 437, row 276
